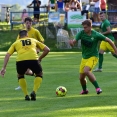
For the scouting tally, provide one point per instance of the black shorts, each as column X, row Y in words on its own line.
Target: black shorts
column 34, row 65
column 37, row 15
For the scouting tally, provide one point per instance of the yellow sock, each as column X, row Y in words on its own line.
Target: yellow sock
column 37, row 83
column 23, row 85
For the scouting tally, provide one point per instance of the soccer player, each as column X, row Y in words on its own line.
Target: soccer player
column 89, row 43
column 32, row 33
column 105, row 46
column 27, row 58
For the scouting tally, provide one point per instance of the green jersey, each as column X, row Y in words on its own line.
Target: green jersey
column 89, row 43
column 104, row 26
column 52, row 1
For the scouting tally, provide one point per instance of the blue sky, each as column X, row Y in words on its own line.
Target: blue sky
column 22, row 3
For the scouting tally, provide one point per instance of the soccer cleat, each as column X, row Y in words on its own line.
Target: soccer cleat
column 18, row 88
column 84, row 92
column 98, row 90
column 27, row 98
column 33, row 96
column 97, row 70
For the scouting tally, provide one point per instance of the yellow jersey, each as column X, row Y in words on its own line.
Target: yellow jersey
column 34, row 33
column 26, row 48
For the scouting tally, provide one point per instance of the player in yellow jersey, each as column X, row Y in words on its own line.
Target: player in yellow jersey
column 27, row 57
column 32, row 33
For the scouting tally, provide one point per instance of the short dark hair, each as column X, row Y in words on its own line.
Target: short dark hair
column 102, row 12
column 28, row 19
column 23, row 33
column 87, row 22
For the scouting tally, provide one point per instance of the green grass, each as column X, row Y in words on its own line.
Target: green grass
column 60, row 68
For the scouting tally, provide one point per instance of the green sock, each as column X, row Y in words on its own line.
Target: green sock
column 100, row 60
column 95, row 84
column 114, row 55
column 84, row 87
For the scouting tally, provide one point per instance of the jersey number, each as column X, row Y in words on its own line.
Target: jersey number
column 26, row 42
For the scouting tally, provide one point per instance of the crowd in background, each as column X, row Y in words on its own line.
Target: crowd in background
column 91, row 8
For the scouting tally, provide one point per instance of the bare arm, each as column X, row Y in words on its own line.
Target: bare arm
column 108, row 31
column 79, row 5
column 72, row 42
column 45, row 52
column 56, row 7
column 29, row 5
column 6, row 59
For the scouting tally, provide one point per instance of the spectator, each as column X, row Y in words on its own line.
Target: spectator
column 23, row 16
column 51, row 4
column 59, row 6
column 103, row 5
column 67, row 8
column 36, row 6
column 75, row 5
column 96, row 14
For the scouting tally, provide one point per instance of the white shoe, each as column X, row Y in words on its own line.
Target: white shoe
column 104, row 52
column 18, row 88
column 97, row 70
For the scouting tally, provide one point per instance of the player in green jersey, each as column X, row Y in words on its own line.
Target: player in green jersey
column 89, row 43
column 27, row 57
column 104, row 46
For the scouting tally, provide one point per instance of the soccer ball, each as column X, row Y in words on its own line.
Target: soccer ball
column 61, row 91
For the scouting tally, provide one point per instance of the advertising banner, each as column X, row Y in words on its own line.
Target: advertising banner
column 75, row 19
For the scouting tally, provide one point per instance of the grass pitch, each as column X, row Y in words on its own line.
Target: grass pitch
column 60, row 68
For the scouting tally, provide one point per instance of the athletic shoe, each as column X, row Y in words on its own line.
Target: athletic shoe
column 98, row 90
column 33, row 96
column 27, row 98
column 18, row 88
column 84, row 92
column 97, row 70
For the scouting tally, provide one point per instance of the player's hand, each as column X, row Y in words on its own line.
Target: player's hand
column 71, row 43
column 2, row 72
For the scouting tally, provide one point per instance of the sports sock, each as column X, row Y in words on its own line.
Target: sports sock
column 23, row 85
column 95, row 84
column 37, row 83
column 100, row 60
column 114, row 55
column 84, row 87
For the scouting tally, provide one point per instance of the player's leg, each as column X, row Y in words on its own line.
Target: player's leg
column 83, row 83
column 38, row 17
column 111, row 50
column 21, row 69
column 28, row 72
column 102, row 49
column 83, row 80
column 37, row 69
column 89, row 65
